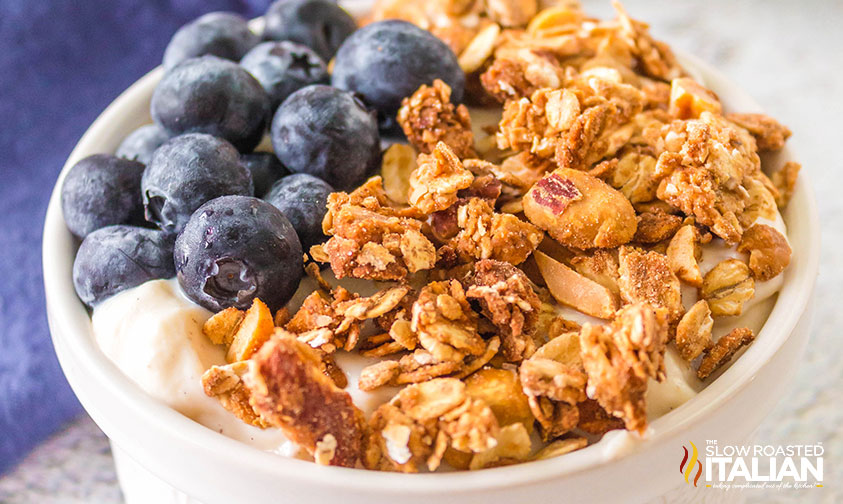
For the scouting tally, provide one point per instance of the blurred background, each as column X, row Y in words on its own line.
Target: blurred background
column 63, row 61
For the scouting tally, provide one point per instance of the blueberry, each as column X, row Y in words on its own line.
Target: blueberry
column 321, row 25
column 327, row 133
column 222, row 34
column 284, row 67
column 302, row 198
column 265, row 169
column 187, row 171
column 387, row 61
column 99, row 191
column 236, row 249
column 141, row 143
column 116, row 258
column 214, row 96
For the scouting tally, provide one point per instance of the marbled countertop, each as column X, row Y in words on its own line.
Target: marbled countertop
column 787, row 55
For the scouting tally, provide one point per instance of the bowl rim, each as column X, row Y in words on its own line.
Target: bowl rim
column 71, row 329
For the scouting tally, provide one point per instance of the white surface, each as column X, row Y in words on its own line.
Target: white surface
column 782, row 53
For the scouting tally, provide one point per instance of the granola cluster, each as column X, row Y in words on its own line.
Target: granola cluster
column 609, row 171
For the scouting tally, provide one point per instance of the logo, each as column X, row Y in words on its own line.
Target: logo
column 753, row 466
column 687, row 470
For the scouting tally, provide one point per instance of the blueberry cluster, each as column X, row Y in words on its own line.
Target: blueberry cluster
column 187, row 196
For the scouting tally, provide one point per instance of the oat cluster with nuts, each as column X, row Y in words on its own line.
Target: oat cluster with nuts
column 609, row 170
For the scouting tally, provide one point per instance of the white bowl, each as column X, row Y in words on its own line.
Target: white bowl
column 163, row 456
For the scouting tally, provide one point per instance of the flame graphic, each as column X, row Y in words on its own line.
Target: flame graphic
column 690, row 467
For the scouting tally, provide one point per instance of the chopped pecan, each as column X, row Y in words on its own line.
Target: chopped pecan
column 727, row 287
column 437, row 179
column 770, row 135
column 225, row 383
column 581, row 211
column 693, row 333
column 769, row 252
column 290, row 391
column 444, row 322
column 620, row 358
column 647, row 277
column 428, row 117
column 723, row 350
column 509, row 301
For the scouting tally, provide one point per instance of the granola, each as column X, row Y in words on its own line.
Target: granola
column 428, row 117
column 609, row 172
column 508, row 300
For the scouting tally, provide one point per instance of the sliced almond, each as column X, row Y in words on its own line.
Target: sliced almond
column 572, row 289
column 480, row 48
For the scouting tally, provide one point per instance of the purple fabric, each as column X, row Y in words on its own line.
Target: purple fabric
column 61, row 63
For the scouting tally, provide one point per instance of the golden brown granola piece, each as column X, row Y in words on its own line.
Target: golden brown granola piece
column 444, row 322
column 508, row 300
column 575, row 290
column 693, row 333
column 485, row 234
column 552, row 379
column 654, row 227
column 784, row 179
column 579, row 210
column 377, row 375
column 769, row 133
column 621, row 357
column 689, row 99
column 727, row 287
column 655, row 58
column 505, row 80
column 683, row 254
column 555, row 418
column 225, row 383
column 511, row 13
column 705, row 165
column 428, row 117
column 633, row 174
column 290, row 391
column 437, row 179
column 255, row 329
column 723, row 350
column 421, row 366
column 595, row 420
column 371, row 239
column 222, row 326
column 647, row 277
column 423, row 420
column 769, row 252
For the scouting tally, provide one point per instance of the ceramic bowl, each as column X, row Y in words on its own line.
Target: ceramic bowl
column 164, row 457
